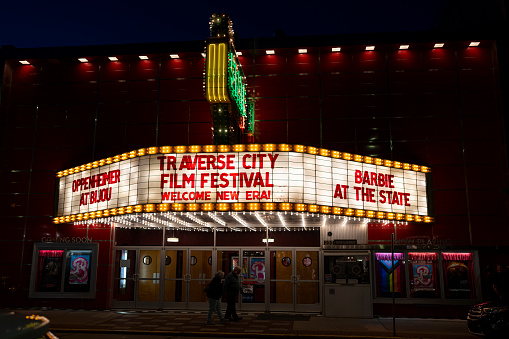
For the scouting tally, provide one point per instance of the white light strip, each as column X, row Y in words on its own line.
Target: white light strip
column 303, row 222
column 236, row 217
column 196, row 220
column 177, row 220
column 216, row 219
column 282, row 220
column 265, row 240
column 172, row 239
column 158, row 220
column 261, row 220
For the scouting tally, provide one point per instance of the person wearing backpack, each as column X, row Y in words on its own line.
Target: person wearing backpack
column 214, row 292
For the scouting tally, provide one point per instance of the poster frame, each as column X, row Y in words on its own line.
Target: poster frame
column 65, row 247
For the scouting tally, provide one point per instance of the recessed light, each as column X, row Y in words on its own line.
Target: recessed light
column 270, row 51
column 83, row 59
column 303, row 50
column 24, row 62
column 474, row 44
column 404, row 47
column 113, row 58
column 438, row 45
column 143, row 57
column 336, row 49
column 370, row 48
column 174, row 56
column 204, row 55
column 239, row 53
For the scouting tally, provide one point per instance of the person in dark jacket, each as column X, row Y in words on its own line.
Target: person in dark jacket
column 232, row 288
column 214, row 293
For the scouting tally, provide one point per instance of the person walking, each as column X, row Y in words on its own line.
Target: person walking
column 232, row 288
column 214, row 293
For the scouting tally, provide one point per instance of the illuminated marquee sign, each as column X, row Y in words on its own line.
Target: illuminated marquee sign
column 295, row 177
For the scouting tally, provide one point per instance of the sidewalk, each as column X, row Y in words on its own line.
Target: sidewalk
column 253, row 325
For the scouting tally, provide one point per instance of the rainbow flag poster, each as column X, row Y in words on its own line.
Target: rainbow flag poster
column 386, row 271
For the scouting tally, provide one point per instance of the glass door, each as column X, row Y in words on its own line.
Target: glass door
column 253, row 280
column 124, row 284
column 136, row 280
column 295, row 280
column 148, row 279
column 282, row 279
column 307, row 281
column 175, row 278
column 200, row 274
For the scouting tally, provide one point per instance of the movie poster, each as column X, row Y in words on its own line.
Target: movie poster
column 79, row 269
column 423, row 277
column 457, row 276
column 258, row 269
column 51, row 274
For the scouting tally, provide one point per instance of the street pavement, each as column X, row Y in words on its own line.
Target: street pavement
column 178, row 324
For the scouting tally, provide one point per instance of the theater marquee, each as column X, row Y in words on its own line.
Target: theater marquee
column 251, row 174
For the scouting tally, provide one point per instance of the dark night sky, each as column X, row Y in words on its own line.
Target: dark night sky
column 70, row 23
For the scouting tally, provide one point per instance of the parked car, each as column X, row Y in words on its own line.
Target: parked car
column 17, row 326
column 490, row 319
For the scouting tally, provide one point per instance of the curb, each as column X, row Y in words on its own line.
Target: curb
column 215, row 334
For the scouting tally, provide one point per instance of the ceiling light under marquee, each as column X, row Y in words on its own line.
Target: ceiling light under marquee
column 143, row 57
column 438, row 45
column 113, row 58
column 474, row 44
column 303, row 50
column 83, row 60
column 270, row 51
column 404, row 46
column 24, row 62
column 370, row 48
column 336, row 49
column 174, row 56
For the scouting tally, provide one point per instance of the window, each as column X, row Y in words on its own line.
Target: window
column 423, row 272
column 346, row 269
column 385, row 270
column 459, row 275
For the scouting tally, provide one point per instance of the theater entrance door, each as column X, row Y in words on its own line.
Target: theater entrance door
column 294, row 279
column 158, row 278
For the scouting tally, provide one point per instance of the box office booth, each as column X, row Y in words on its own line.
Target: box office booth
column 116, row 195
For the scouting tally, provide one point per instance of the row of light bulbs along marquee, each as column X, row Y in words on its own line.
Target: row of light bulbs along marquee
column 242, row 148
column 244, row 206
